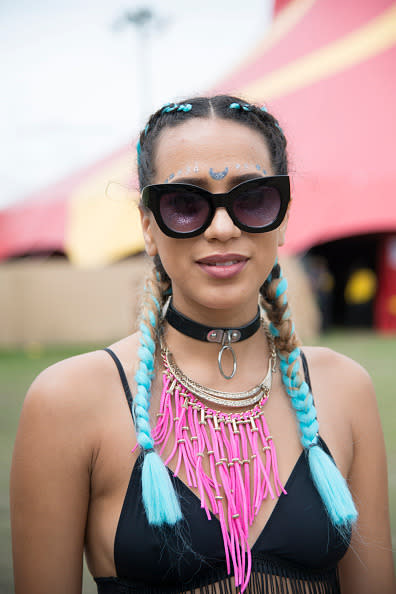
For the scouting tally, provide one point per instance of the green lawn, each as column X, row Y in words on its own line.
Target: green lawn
column 18, row 368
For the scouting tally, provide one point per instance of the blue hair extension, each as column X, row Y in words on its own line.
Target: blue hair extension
column 159, row 497
column 328, row 480
column 138, row 150
column 160, row 500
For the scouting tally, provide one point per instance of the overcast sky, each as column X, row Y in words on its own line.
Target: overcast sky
column 70, row 79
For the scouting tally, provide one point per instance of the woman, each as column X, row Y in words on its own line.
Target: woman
column 211, row 486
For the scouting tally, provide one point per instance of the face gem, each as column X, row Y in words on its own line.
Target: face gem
column 237, row 166
column 172, row 175
column 258, row 167
column 218, row 174
column 196, row 169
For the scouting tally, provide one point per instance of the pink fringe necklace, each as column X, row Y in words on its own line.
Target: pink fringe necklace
column 232, row 444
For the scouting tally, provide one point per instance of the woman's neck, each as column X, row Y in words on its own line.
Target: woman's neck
column 199, row 360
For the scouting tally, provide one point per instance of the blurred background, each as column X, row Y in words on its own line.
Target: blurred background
column 78, row 81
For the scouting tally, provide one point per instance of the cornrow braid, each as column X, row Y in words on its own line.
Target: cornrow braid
column 221, row 106
column 328, row 480
column 160, row 500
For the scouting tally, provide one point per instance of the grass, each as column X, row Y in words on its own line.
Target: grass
column 18, row 369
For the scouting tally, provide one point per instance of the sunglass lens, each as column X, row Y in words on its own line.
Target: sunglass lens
column 258, row 207
column 183, row 212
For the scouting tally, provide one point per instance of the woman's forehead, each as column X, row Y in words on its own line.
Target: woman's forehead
column 213, row 142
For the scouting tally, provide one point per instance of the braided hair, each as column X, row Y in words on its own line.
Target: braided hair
column 160, row 500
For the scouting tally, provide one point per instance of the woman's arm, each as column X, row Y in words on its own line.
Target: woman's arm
column 50, row 483
column 367, row 568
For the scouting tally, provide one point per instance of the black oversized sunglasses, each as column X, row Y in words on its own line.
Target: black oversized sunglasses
column 183, row 210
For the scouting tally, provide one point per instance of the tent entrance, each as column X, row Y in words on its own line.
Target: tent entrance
column 344, row 277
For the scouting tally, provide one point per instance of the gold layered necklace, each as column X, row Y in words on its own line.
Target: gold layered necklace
column 247, row 398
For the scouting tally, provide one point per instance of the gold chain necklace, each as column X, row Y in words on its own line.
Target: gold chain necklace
column 232, row 399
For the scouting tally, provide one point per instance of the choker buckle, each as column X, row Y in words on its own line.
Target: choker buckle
column 218, row 335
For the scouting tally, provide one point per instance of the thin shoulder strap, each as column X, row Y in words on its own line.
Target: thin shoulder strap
column 306, row 370
column 123, row 377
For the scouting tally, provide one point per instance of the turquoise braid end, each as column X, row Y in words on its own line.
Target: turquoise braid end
column 332, row 488
column 160, row 500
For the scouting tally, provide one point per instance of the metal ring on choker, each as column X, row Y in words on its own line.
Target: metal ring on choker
column 223, row 336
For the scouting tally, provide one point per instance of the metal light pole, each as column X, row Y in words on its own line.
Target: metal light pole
column 143, row 19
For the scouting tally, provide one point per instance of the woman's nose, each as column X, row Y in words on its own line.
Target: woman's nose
column 222, row 227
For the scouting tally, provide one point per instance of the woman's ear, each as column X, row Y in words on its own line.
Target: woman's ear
column 147, row 223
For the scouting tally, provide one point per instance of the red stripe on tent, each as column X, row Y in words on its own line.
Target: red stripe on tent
column 344, row 147
column 325, row 22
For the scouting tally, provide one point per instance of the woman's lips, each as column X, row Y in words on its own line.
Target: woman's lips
column 223, row 265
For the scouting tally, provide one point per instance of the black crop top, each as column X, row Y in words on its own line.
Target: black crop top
column 296, row 552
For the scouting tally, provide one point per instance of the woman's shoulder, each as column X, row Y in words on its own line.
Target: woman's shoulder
column 74, row 387
column 340, row 375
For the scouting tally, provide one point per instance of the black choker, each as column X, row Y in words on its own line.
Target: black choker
column 224, row 336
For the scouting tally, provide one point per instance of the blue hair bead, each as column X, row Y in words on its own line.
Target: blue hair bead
column 246, row 107
column 185, row 107
column 234, row 106
column 264, row 108
column 169, row 107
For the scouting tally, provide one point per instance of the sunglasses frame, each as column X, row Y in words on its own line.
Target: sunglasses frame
column 151, row 196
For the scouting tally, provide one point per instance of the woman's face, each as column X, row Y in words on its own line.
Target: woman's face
column 224, row 267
